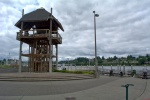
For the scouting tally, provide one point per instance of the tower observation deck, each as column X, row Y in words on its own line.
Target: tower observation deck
column 39, row 30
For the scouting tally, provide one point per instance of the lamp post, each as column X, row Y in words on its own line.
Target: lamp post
column 127, row 86
column 96, row 68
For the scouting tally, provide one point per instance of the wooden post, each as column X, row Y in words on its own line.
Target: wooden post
column 32, row 58
column 102, row 69
column 56, row 56
column 52, row 55
column 36, row 58
column 50, row 43
column 131, row 68
column 111, row 67
column 124, row 70
column 118, row 69
column 47, row 62
column 20, row 51
column 29, row 67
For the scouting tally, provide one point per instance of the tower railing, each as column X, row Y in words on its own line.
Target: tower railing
column 38, row 33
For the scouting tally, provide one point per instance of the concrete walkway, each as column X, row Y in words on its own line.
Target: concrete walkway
column 104, row 88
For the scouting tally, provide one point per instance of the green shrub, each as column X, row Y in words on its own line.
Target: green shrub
column 78, row 72
column 5, row 66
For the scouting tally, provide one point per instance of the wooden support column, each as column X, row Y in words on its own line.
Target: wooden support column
column 31, row 59
column 20, row 51
column 50, row 43
column 52, row 56
column 36, row 58
column 20, row 58
column 47, row 64
column 29, row 67
column 56, row 56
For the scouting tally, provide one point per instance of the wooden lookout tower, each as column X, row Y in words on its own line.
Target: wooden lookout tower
column 39, row 29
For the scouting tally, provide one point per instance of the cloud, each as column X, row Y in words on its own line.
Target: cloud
column 122, row 27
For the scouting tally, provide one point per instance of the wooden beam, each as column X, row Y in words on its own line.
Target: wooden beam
column 50, row 43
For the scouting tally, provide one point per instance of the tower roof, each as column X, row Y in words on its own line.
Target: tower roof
column 40, row 18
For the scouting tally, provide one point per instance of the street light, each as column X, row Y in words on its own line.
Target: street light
column 96, row 69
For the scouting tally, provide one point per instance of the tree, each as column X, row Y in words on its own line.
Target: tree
column 148, row 59
column 103, row 58
column 119, row 61
column 147, row 55
column 115, row 58
column 129, row 57
column 109, row 59
column 141, row 61
column 99, row 60
column 4, row 60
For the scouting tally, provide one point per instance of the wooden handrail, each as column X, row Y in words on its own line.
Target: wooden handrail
column 43, row 34
column 39, row 30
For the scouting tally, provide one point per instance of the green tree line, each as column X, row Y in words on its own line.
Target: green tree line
column 129, row 60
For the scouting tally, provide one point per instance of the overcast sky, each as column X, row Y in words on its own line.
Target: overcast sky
column 123, row 27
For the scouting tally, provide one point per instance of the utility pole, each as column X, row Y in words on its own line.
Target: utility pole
column 96, row 68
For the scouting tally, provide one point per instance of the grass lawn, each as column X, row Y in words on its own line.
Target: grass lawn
column 5, row 66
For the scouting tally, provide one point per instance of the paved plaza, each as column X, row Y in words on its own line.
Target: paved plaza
column 104, row 88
